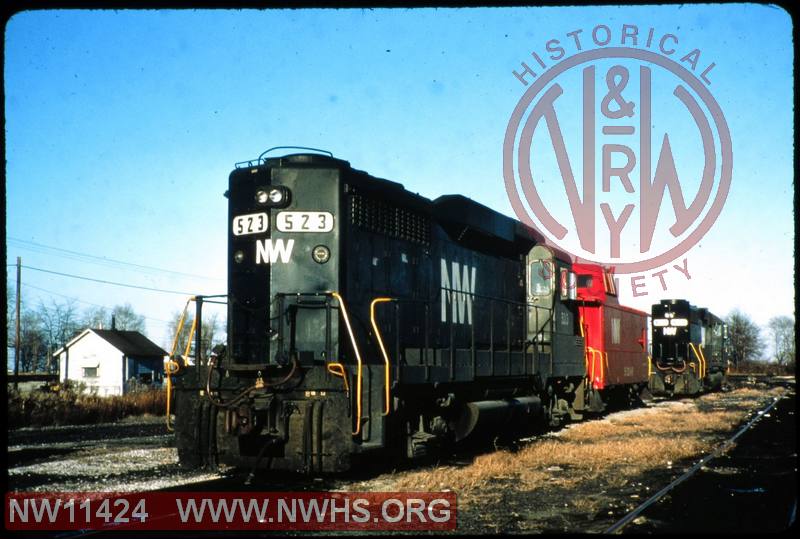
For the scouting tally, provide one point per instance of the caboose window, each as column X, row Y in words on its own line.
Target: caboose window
column 540, row 274
column 584, row 281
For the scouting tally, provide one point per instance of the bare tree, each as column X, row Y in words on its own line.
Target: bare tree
column 33, row 342
column 744, row 336
column 96, row 318
column 11, row 320
column 209, row 336
column 60, row 323
column 781, row 329
column 11, row 313
column 127, row 319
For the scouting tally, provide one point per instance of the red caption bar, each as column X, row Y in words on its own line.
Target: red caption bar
column 231, row 511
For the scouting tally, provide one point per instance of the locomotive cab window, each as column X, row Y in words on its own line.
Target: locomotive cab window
column 616, row 330
column 541, row 273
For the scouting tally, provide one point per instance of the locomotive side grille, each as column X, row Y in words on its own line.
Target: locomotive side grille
column 383, row 218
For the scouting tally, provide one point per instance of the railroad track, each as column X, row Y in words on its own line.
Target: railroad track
column 618, row 526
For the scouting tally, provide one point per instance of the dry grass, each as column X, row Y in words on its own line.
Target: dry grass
column 628, row 444
column 761, row 368
column 69, row 406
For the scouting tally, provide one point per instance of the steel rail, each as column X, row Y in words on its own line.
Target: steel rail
column 724, row 446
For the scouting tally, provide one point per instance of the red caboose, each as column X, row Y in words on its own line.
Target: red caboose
column 615, row 335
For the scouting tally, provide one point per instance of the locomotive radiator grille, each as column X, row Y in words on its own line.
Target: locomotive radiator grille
column 383, row 218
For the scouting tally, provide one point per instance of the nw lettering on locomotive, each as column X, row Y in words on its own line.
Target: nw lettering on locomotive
column 458, row 292
column 269, row 251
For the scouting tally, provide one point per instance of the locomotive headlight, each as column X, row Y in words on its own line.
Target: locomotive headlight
column 320, row 254
column 262, row 196
column 660, row 322
column 276, row 196
column 238, row 257
column 679, row 322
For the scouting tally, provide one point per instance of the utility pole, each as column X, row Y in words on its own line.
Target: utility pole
column 16, row 339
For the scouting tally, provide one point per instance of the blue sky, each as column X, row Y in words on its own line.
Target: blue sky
column 122, row 127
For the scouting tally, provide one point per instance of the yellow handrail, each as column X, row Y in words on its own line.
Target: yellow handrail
column 594, row 353
column 387, row 381
column 337, row 369
column 168, row 388
column 171, row 366
column 585, row 352
column 180, row 327
column 189, row 343
column 649, row 367
column 699, row 359
column 358, row 360
column 705, row 363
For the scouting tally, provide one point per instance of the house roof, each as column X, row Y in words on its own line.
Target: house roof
column 130, row 343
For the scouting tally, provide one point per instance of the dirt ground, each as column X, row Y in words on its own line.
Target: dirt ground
column 584, row 477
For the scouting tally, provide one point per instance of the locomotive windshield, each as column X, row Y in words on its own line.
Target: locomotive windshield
column 540, row 275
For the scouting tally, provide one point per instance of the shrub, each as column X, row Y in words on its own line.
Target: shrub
column 67, row 404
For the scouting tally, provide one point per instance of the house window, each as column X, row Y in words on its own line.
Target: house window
column 90, row 372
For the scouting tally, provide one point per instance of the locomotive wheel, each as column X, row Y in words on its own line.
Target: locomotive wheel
column 555, row 408
column 195, row 430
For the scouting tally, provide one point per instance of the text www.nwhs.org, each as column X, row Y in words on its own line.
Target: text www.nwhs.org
column 295, row 511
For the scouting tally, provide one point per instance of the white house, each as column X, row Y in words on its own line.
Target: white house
column 111, row 361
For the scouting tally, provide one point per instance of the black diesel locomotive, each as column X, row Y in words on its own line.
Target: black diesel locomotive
column 364, row 318
column 689, row 349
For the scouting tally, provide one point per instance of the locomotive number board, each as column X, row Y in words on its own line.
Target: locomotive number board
column 253, row 223
column 304, row 221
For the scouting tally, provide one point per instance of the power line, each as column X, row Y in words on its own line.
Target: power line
column 111, row 282
column 94, row 259
column 26, row 285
